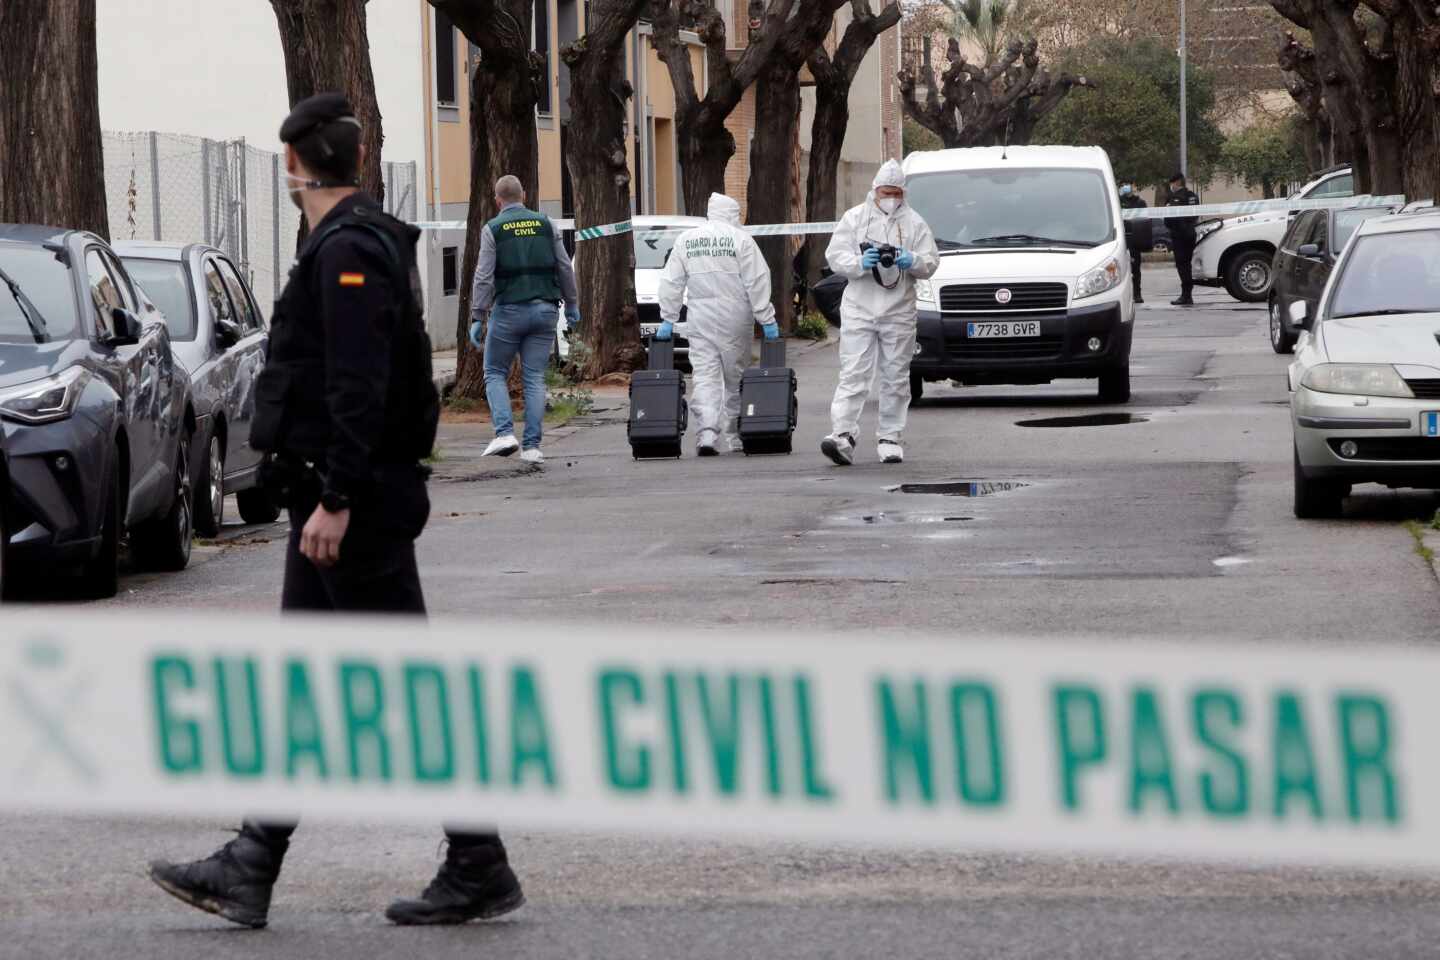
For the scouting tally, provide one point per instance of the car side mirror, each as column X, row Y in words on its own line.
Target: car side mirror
column 124, row 328
column 1300, row 314
column 1309, row 250
column 227, row 333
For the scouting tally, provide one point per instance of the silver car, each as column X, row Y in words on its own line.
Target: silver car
column 1365, row 383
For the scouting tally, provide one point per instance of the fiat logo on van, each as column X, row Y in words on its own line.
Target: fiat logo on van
column 1003, row 295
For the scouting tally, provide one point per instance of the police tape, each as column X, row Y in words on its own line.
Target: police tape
column 1205, row 210
column 1193, row 750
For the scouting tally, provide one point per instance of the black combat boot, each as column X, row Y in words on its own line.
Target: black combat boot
column 234, row 882
column 474, row 883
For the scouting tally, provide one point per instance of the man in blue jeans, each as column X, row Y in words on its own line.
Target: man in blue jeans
column 522, row 275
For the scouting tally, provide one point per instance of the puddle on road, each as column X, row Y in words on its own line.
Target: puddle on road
column 877, row 519
column 961, row 488
column 1088, row 420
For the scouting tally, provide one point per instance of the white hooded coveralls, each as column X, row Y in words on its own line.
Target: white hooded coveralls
column 877, row 326
column 728, row 283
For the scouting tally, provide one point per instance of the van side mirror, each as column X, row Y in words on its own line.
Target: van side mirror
column 123, row 330
column 1300, row 314
column 227, row 334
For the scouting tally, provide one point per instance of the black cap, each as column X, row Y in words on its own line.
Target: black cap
column 315, row 113
column 1178, row 176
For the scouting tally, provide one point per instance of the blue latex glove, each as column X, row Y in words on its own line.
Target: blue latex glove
column 771, row 331
column 475, row 341
column 665, row 332
column 572, row 316
column 870, row 258
column 904, row 259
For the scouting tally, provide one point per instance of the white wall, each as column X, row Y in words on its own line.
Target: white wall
column 214, row 68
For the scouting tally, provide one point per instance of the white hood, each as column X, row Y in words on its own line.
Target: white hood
column 1005, row 265
column 1402, row 339
column 890, row 174
column 723, row 210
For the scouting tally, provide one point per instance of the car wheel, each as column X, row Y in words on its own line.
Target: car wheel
column 1115, row 385
column 257, row 506
column 164, row 543
column 210, row 490
column 1317, row 499
column 917, row 388
column 100, row 577
column 1281, row 341
column 1248, row 276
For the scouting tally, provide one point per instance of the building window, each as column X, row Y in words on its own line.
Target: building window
column 449, row 270
column 444, row 59
column 727, row 14
column 542, row 47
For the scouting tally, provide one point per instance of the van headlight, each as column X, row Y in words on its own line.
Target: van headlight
column 44, row 401
column 924, row 291
column 1363, row 379
column 1106, row 277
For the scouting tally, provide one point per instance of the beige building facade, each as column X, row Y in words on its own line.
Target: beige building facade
column 872, row 136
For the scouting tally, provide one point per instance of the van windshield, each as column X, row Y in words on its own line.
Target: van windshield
column 1028, row 207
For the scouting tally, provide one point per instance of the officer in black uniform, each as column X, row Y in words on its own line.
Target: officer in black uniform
column 1138, row 235
column 1182, row 237
column 346, row 408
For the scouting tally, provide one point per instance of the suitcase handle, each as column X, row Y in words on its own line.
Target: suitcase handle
column 772, row 353
column 662, row 354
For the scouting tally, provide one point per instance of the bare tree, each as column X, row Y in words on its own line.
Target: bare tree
column 833, row 76
column 51, row 166
column 981, row 106
column 704, row 144
column 504, row 90
column 601, row 177
column 327, row 49
column 1325, row 145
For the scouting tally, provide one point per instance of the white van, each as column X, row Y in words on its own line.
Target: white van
column 1034, row 278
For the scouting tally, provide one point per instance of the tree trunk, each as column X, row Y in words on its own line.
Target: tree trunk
column 705, row 148
column 504, row 89
column 327, row 50
column 51, row 166
column 777, row 120
column 599, row 93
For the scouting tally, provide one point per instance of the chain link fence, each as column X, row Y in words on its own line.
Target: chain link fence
column 182, row 189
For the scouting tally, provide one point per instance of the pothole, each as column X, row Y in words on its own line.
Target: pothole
column 962, row 488
column 1087, row 420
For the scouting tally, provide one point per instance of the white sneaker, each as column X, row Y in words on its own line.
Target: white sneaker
column 533, row 455
column 890, row 452
column 502, row 446
column 841, row 449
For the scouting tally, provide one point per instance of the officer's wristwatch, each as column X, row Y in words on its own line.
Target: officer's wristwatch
column 334, row 502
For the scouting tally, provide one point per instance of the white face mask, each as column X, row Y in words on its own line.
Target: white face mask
column 888, row 204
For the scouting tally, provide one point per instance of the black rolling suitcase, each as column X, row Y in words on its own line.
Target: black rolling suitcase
column 658, row 412
column 768, row 407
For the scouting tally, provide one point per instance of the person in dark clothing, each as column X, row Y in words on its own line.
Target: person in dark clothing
column 346, row 409
column 1182, row 237
column 1138, row 235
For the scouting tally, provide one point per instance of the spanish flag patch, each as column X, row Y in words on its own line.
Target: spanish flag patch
column 352, row 279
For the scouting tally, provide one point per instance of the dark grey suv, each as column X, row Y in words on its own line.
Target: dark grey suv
column 95, row 410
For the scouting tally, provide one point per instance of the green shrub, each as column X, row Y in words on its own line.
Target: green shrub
column 812, row 326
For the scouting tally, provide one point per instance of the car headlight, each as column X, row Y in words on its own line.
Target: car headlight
column 44, row 401
column 925, row 291
column 1367, row 379
column 1204, row 230
column 1099, row 280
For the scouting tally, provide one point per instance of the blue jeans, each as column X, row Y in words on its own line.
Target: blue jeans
column 529, row 330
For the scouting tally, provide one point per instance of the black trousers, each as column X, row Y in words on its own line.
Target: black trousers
column 1136, row 259
column 1184, row 250
column 376, row 574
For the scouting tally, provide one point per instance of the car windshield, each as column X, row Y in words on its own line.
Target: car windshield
column 653, row 249
column 1389, row 273
column 40, row 305
column 1348, row 221
column 164, row 282
column 1013, row 208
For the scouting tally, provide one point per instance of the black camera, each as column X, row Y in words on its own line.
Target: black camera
column 887, row 253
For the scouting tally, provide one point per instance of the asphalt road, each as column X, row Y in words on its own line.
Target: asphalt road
column 1177, row 524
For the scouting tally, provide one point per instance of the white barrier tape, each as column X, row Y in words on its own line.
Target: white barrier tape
column 1198, row 750
column 1238, row 208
